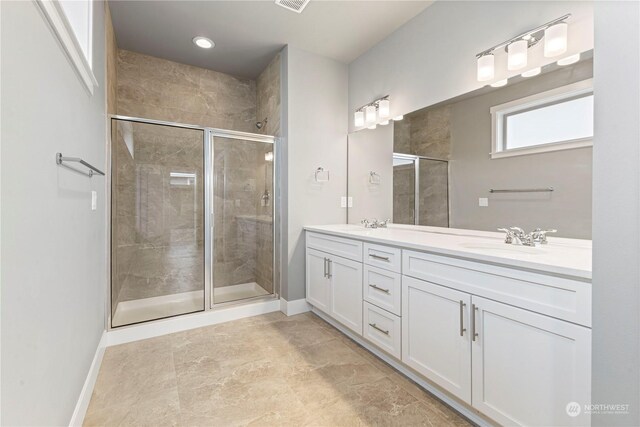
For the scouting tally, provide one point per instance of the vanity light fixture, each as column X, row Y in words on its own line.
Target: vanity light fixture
column 569, row 60
column 383, row 108
column 368, row 114
column 553, row 32
column 555, row 40
column 532, row 72
column 499, row 83
column 203, row 42
column 517, row 54
column 486, row 67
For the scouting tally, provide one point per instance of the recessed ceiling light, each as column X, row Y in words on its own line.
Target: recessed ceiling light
column 203, row 42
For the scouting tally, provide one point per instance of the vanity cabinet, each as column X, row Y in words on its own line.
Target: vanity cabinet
column 527, row 367
column 334, row 283
column 511, row 344
column 435, row 335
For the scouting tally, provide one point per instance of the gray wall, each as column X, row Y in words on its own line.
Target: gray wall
column 616, row 212
column 473, row 172
column 315, row 133
column 53, row 245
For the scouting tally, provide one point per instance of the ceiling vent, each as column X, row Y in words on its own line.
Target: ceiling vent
column 294, row 5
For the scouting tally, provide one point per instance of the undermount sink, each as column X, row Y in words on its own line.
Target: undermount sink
column 505, row 248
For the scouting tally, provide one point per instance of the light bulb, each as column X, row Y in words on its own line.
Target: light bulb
column 499, row 83
column 203, row 42
column 359, row 118
column 532, row 72
column 486, row 67
column 383, row 108
column 517, row 55
column 555, row 40
column 569, row 60
column 371, row 113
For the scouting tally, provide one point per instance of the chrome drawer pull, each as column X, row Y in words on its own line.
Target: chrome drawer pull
column 381, row 258
column 377, row 328
column 386, row 291
column 474, row 334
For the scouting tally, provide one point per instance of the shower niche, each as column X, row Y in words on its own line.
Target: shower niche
column 191, row 219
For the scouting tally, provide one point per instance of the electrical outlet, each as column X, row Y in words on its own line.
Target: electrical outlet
column 343, row 202
column 483, row 202
column 350, row 202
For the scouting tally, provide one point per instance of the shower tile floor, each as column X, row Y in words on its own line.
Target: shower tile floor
column 264, row 370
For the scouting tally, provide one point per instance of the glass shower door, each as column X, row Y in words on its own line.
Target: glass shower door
column 158, row 187
column 243, row 206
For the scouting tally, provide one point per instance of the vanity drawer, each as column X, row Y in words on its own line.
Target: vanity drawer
column 383, row 256
column 382, row 288
column 554, row 296
column 346, row 248
column 383, row 329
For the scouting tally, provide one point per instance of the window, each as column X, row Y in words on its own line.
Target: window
column 71, row 21
column 558, row 119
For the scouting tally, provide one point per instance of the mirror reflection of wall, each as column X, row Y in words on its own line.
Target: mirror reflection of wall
column 532, row 134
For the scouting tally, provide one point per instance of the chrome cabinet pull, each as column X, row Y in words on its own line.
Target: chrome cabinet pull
column 378, row 288
column 325, row 268
column 378, row 328
column 329, row 268
column 474, row 334
column 462, row 328
column 381, row 258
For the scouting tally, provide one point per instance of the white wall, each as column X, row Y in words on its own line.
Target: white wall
column 371, row 150
column 616, row 211
column 53, row 245
column 432, row 57
column 315, row 134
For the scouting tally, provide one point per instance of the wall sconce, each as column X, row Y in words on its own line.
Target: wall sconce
column 369, row 114
column 554, row 34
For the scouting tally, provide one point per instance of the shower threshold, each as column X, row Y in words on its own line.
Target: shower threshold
column 146, row 309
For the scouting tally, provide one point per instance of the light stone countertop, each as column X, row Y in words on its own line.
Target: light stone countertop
column 561, row 256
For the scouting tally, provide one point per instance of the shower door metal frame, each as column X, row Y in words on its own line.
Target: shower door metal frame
column 209, row 134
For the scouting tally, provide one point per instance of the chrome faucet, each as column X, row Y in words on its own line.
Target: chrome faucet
column 375, row 223
column 517, row 236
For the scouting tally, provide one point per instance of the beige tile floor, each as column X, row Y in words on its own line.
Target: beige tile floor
column 264, row 370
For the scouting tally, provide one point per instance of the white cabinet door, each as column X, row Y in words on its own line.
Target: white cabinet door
column 435, row 335
column 527, row 368
column 318, row 283
column 346, row 292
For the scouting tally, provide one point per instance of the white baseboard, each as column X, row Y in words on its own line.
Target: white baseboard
column 189, row 321
column 458, row 406
column 87, row 389
column 291, row 308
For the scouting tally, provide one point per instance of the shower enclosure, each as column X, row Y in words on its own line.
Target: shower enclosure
column 192, row 218
column 420, row 190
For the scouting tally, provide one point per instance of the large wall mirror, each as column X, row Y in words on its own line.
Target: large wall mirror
column 519, row 154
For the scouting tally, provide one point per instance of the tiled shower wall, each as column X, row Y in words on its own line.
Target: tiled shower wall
column 159, row 89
